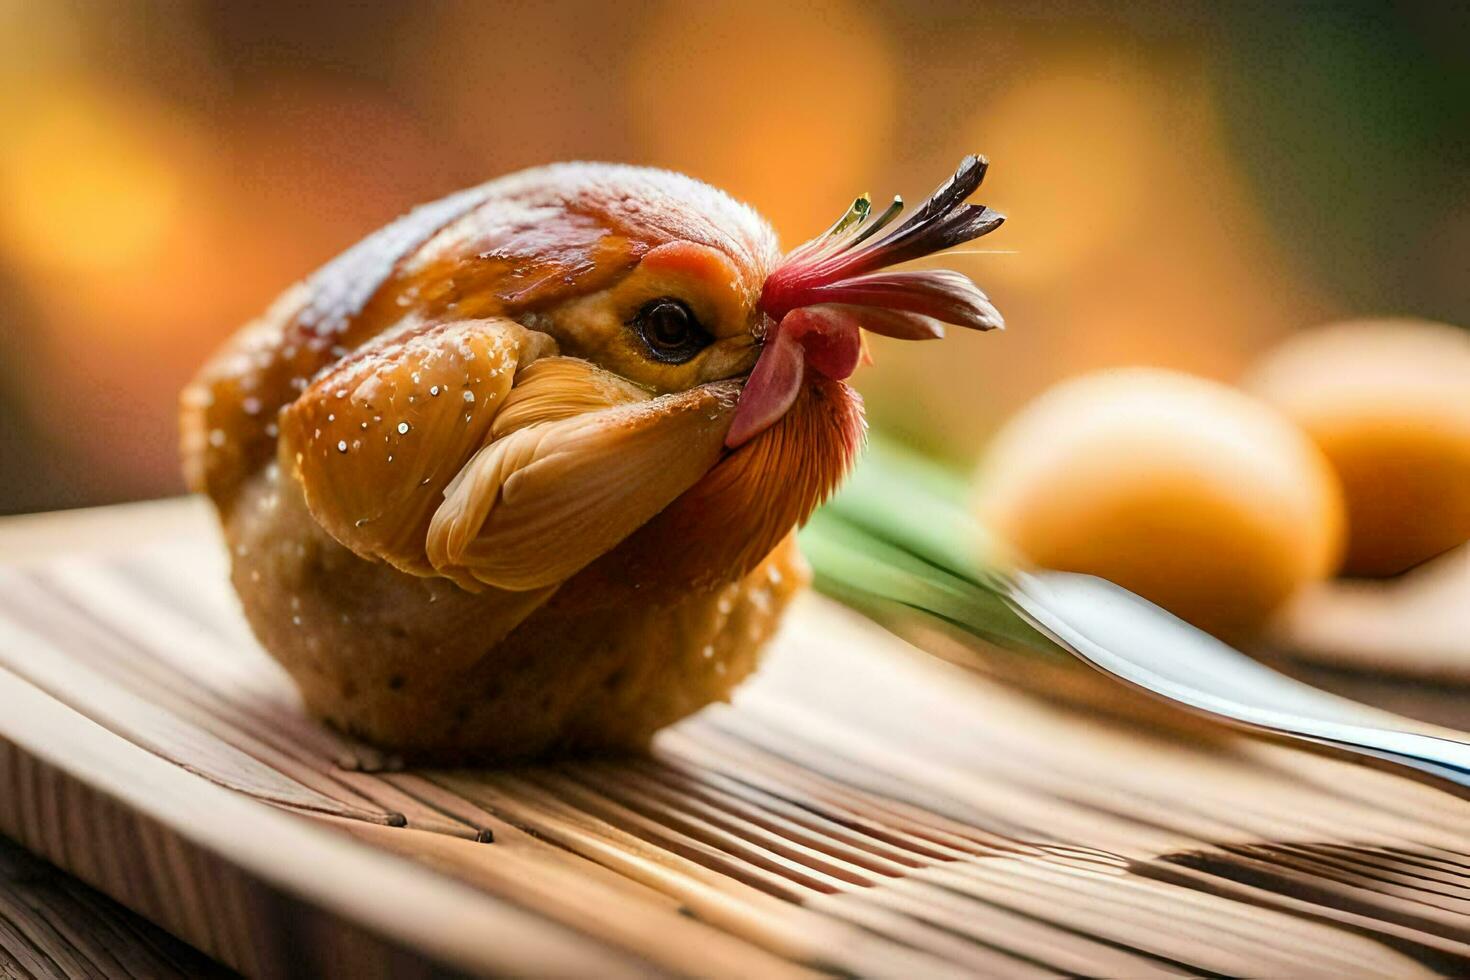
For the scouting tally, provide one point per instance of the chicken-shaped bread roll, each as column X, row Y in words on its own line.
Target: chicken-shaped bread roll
column 519, row 473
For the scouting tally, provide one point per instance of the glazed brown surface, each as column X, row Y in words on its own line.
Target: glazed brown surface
column 467, row 511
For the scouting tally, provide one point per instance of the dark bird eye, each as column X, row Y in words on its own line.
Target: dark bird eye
column 670, row 331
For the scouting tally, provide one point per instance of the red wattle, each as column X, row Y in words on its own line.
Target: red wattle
column 826, row 338
column 770, row 390
column 830, row 336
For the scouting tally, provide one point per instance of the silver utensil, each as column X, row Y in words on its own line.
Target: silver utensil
column 899, row 536
column 1136, row 642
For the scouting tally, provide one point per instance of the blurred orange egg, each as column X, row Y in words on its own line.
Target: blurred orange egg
column 1185, row 491
column 1388, row 401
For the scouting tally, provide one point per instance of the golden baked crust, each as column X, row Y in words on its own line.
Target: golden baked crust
column 468, row 517
column 519, row 472
column 424, row 667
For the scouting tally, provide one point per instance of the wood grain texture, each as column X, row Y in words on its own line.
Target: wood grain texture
column 861, row 809
column 53, row 926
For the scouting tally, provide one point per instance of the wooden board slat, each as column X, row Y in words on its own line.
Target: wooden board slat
column 860, row 808
column 51, row 925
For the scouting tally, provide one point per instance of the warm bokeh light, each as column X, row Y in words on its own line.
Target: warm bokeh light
column 1119, row 249
column 168, row 169
column 510, row 85
column 1079, row 151
column 99, row 212
column 789, row 106
column 86, row 183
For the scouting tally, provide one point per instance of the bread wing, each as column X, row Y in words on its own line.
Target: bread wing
column 541, row 502
column 375, row 439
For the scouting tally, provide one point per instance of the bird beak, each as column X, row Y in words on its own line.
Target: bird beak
column 828, row 290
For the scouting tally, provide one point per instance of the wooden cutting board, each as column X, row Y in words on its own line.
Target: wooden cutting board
column 861, row 808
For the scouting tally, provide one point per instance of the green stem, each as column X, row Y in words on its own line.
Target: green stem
column 899, row 535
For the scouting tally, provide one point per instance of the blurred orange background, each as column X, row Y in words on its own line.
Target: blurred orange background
column 1185, row 182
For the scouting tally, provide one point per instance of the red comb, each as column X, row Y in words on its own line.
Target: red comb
column 826, row 292
column 842, row 265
